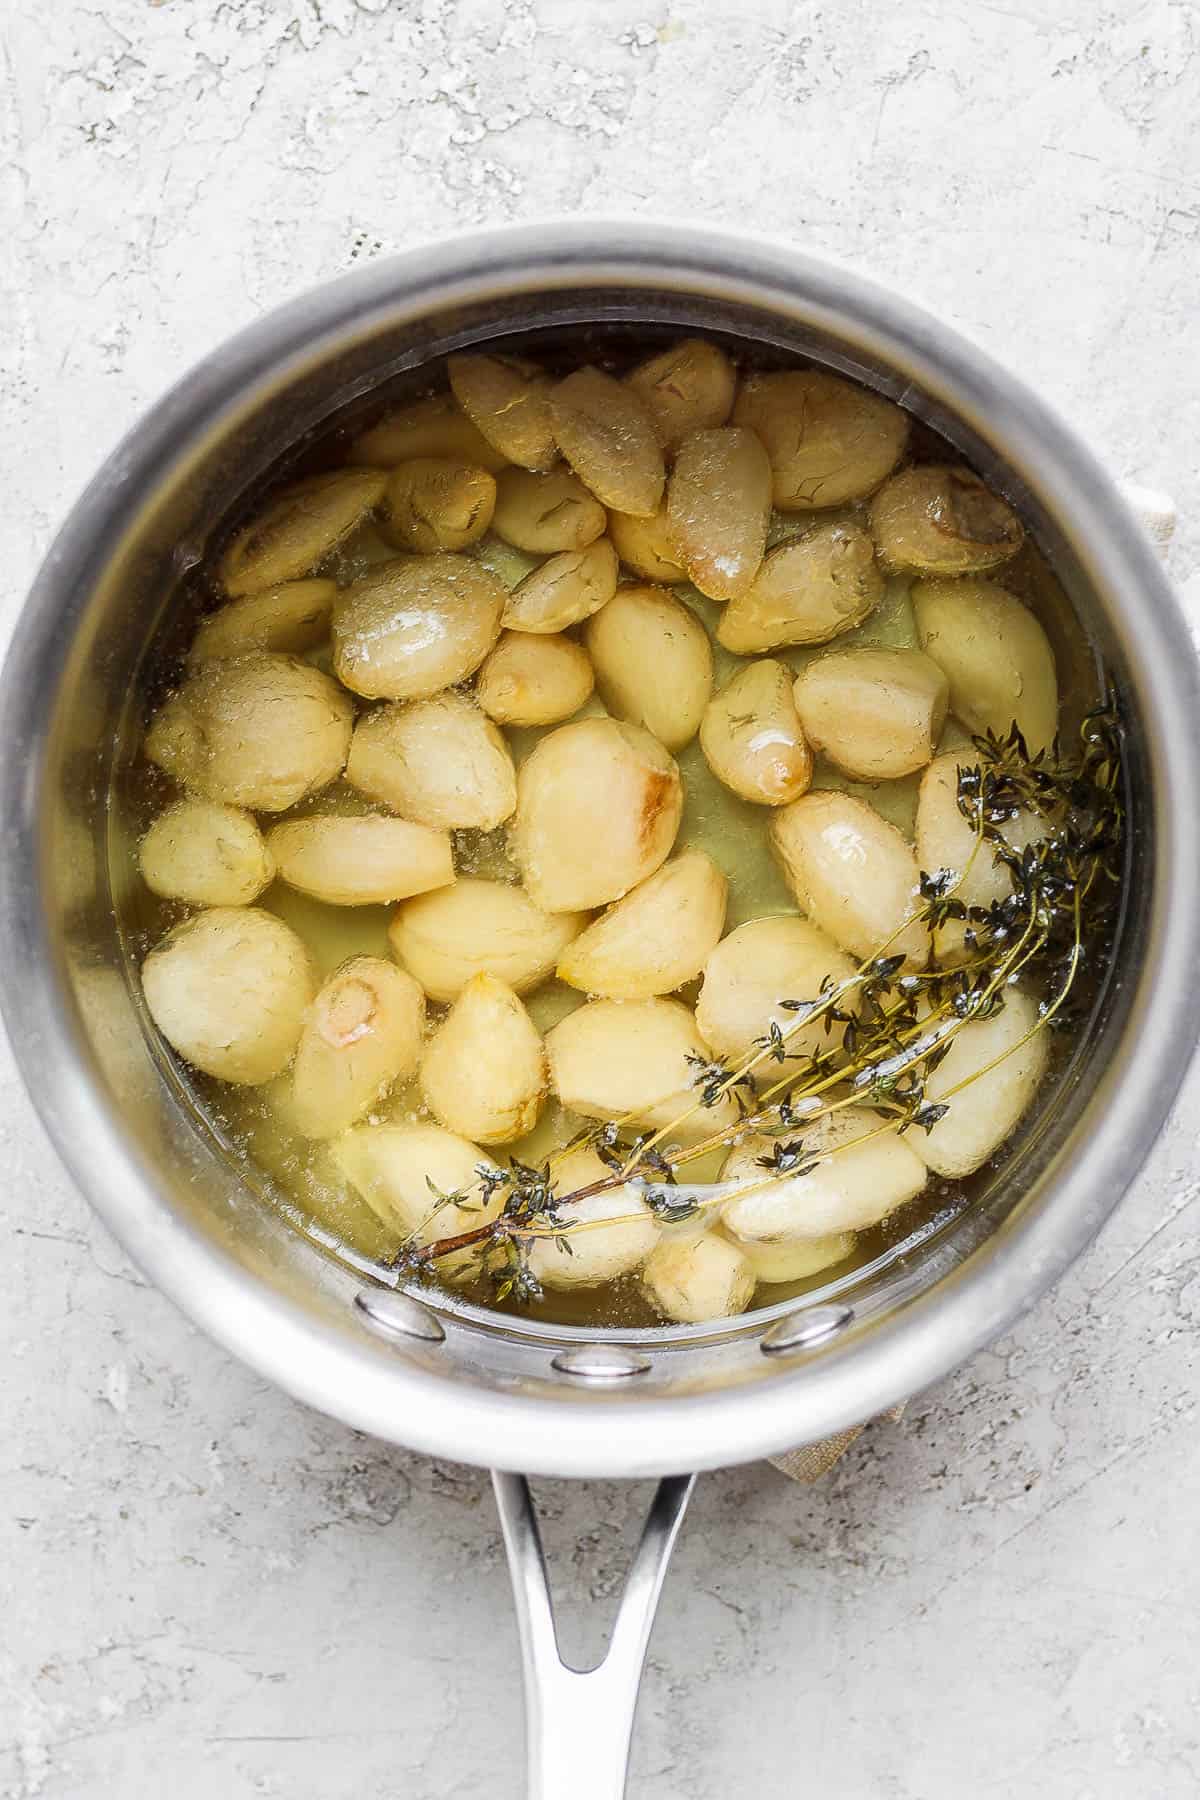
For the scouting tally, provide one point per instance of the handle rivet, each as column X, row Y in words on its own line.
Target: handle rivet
column 600, row 1362
column 392, row 1315
column 804, row 1330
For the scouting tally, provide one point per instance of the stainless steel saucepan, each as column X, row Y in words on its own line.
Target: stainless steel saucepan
column 449, row 1379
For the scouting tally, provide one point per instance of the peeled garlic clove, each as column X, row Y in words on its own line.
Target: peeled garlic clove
column 262, row 732
column 943, row 521
column 546, row 513
column 290, row 618
column 299, row 527
column 806, row 592
column 947, row 840
column 719, row 507
column 361, row 1036
column 646, row 546
column 655, row 939
column 587, row 1252
column 853, row 874
column 409, row 628
column 401, row 1169
column 605, row 433
column 564, row 590
column 439, row 503
column 752, row 737
column 598, row 806
column 877, row 714
column 445, row 938
column 205, row 854
column 534, row 679
column 435, row 426
column 983, row 1116
column 228, row 989
column 996, row 657
column 505, row 396
column 795, row 1259
column 484, row 1072
column 689, row 387
column 440, row 762
column 861, row 1176
column 360, row 861
column 752, row 971
column 829, row 440
column 692, row 1279
column 629, row 1059
column 653, row 663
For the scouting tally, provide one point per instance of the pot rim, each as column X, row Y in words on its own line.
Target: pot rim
column 859, row 1374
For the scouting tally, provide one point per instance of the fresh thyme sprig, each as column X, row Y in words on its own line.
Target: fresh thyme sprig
column 887, row 1027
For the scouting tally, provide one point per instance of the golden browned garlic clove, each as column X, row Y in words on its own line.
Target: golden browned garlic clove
column 604, row 431
column 829, row 440
column 228, row 989
column 689, row 387
column 752, row 737
column 754, row 970
column 691, row 1279
column 996, row 657
column 546, row 513
column 631, row 1060
column 438, row 503
column 361, row 1037
column 288, row 619
column 653, row 662
column 806, row 592
column 564, row 590
column 205, row 854
column 369, row 860
column 598, row 806
column 261, row 731
column 646, row 546
column 445, row 938
column 534, row 679
column 874, row 1172
column 435, row 426
column 655, row 939
column 506, row 398
column 411, row 627
column 719, row 508
column 484, row 1072
column 299, row 527
column 441, row 762
column 853, row 874
column 876, row 713
column 943, row 521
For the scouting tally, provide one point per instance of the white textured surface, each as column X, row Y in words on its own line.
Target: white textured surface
column 206, row 1591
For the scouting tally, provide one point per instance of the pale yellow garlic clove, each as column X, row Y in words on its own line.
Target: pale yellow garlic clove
column 757, row 967
column 534, row 679
column 983, row 1116
column 505, row 396
column 646, row 546
column 484, row 1071
column 718, row 509
column 655, row 939
column 205, row 854
column 995, row 655
column 440, row 762
column 229, row 989
column 604, row 431
column 434, row 426
column 864, row 1171
column 360, row 861
column 598, row 807
column 631, row 1059
column 938, row 520
column 875, row 713
column 689, row 387
column 564, row 590
column 402, row 1170
column 438, row 503
column 653, row 662
column 411, row 627
column 590, row 1251
column 288, row 619
column 947, row 840
column 752, row 737
column 546, row 513
column 806, row 592
column 299, row 527
column 853, row 874
column 361, row 1037
column 262, row 731
column 693, row 1279
column 785, row 1260
column 445, row 938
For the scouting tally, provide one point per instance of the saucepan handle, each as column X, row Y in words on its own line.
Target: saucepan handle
column 578, row 1722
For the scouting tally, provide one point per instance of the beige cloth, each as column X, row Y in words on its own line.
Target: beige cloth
column 808, row 1462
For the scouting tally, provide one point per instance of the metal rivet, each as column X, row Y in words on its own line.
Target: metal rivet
column 398, row 1316
column 805, row 1330
column 600, row 1362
